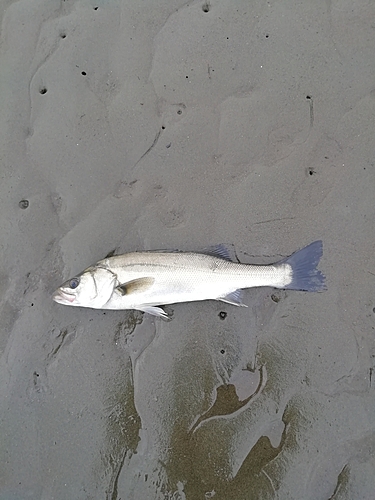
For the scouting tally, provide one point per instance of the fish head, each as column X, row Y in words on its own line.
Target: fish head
column 92, row 288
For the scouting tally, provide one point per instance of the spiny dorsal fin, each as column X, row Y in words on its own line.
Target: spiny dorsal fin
column 135, row 286
column 110, row 254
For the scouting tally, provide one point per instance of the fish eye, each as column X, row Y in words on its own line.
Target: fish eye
column 74, row 282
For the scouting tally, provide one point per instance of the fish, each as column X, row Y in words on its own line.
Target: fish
column 146, row 281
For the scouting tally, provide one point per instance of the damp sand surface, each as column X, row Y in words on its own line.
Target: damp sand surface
column 132, row 125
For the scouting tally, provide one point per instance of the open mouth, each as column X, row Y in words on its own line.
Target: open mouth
column 63, row 297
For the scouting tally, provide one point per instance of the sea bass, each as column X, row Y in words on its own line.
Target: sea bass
column 146, row 280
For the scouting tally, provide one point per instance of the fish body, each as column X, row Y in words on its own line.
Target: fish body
column 146, row 280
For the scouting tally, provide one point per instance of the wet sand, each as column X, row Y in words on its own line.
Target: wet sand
column 135, row 125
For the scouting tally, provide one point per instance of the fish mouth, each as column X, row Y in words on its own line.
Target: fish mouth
column 63, row 297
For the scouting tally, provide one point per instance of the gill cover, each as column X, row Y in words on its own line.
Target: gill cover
column 99, row 288
column 92, row 288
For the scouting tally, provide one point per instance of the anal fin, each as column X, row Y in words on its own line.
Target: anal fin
column 234, row 298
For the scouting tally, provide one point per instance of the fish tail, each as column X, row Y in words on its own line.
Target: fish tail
column 305, row 275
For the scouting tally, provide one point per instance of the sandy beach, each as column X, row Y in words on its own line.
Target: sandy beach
column 138, row 125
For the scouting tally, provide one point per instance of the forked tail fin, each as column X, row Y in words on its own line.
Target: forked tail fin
column 305, row 275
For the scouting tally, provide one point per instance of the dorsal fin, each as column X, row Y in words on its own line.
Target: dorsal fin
column 219, row 251
column 110, row 254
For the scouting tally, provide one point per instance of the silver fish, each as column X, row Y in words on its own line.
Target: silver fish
column 146, row 280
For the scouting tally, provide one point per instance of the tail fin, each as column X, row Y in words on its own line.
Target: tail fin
column 305, row 275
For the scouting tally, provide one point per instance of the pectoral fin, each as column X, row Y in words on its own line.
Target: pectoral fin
column 138, row 285
column 234, row 298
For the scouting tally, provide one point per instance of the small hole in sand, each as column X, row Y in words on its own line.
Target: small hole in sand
column 23, row 204
column 43, row 90
column 206, row 7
